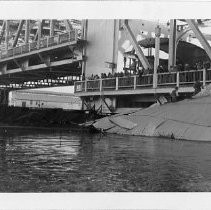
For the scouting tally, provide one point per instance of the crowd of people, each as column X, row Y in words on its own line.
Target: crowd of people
column 184, row 67
column 132, row 67
column 135, row 68
column 110, row 75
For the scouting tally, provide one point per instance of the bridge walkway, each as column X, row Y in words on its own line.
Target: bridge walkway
column 134, row 85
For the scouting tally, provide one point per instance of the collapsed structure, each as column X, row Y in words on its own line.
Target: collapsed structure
column 189, row 119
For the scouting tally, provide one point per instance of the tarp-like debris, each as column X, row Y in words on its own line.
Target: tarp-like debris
column 123, row 123
column 189, row 119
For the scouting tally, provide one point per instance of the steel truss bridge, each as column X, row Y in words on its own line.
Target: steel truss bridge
column 41, row 59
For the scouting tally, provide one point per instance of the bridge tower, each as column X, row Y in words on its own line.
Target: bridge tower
column 102, row 50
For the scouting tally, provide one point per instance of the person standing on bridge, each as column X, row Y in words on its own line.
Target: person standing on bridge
column 197, row 87
column 174, row 95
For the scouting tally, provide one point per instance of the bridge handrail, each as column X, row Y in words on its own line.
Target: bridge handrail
column 43, row 43
column 186, row 77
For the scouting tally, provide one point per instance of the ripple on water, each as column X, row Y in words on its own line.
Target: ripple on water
column 76, row 162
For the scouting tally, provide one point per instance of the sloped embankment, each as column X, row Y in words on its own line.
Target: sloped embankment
column 189, row 119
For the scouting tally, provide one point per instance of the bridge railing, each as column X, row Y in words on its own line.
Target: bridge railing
column 169, row 79
column 125, row 82
column 109, row 84
column 208, row 76
column 143, row 81
column 190, row 77
column 42, row 43
column 92, row 85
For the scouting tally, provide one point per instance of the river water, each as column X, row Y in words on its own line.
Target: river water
column 70, row 161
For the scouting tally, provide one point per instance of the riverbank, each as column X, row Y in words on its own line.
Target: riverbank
column 40, row 118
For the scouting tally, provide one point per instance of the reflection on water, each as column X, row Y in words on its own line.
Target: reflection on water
column 55, row 161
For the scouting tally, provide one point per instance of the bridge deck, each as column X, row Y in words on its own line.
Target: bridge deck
column 46, row 44
column 46, row 72
column 144, row 84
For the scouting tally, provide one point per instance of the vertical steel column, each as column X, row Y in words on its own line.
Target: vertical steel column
column 101, row 85
column 7, row 26
column 85, row 85
column 117, row 83
column 157, row 57
column 52, row 27
column 2, row 31
column 39, row 33
column 177, row 82
column 84, row 37
column 115, row 44
column 204, row 77
column 134, row 82
column 172, row 44
column 27, row 31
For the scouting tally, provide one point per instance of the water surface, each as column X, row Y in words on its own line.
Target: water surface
column 61, row 161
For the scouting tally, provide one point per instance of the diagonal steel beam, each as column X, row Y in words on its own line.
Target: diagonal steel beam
column 45, row 60
column 199, row 36
column 7, row 28
column 19, row 65
column 68, row 25
column 20, row 26
column 182, row 34
column 134, row 42
column 39, row 30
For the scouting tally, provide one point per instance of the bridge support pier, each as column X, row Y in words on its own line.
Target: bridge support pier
column 105, row 105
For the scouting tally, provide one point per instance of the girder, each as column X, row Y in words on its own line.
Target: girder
column 18, row 33
column 68, row 25
column 200, row 36
column 7, row 25
column 134, row 42
column 45, row 68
